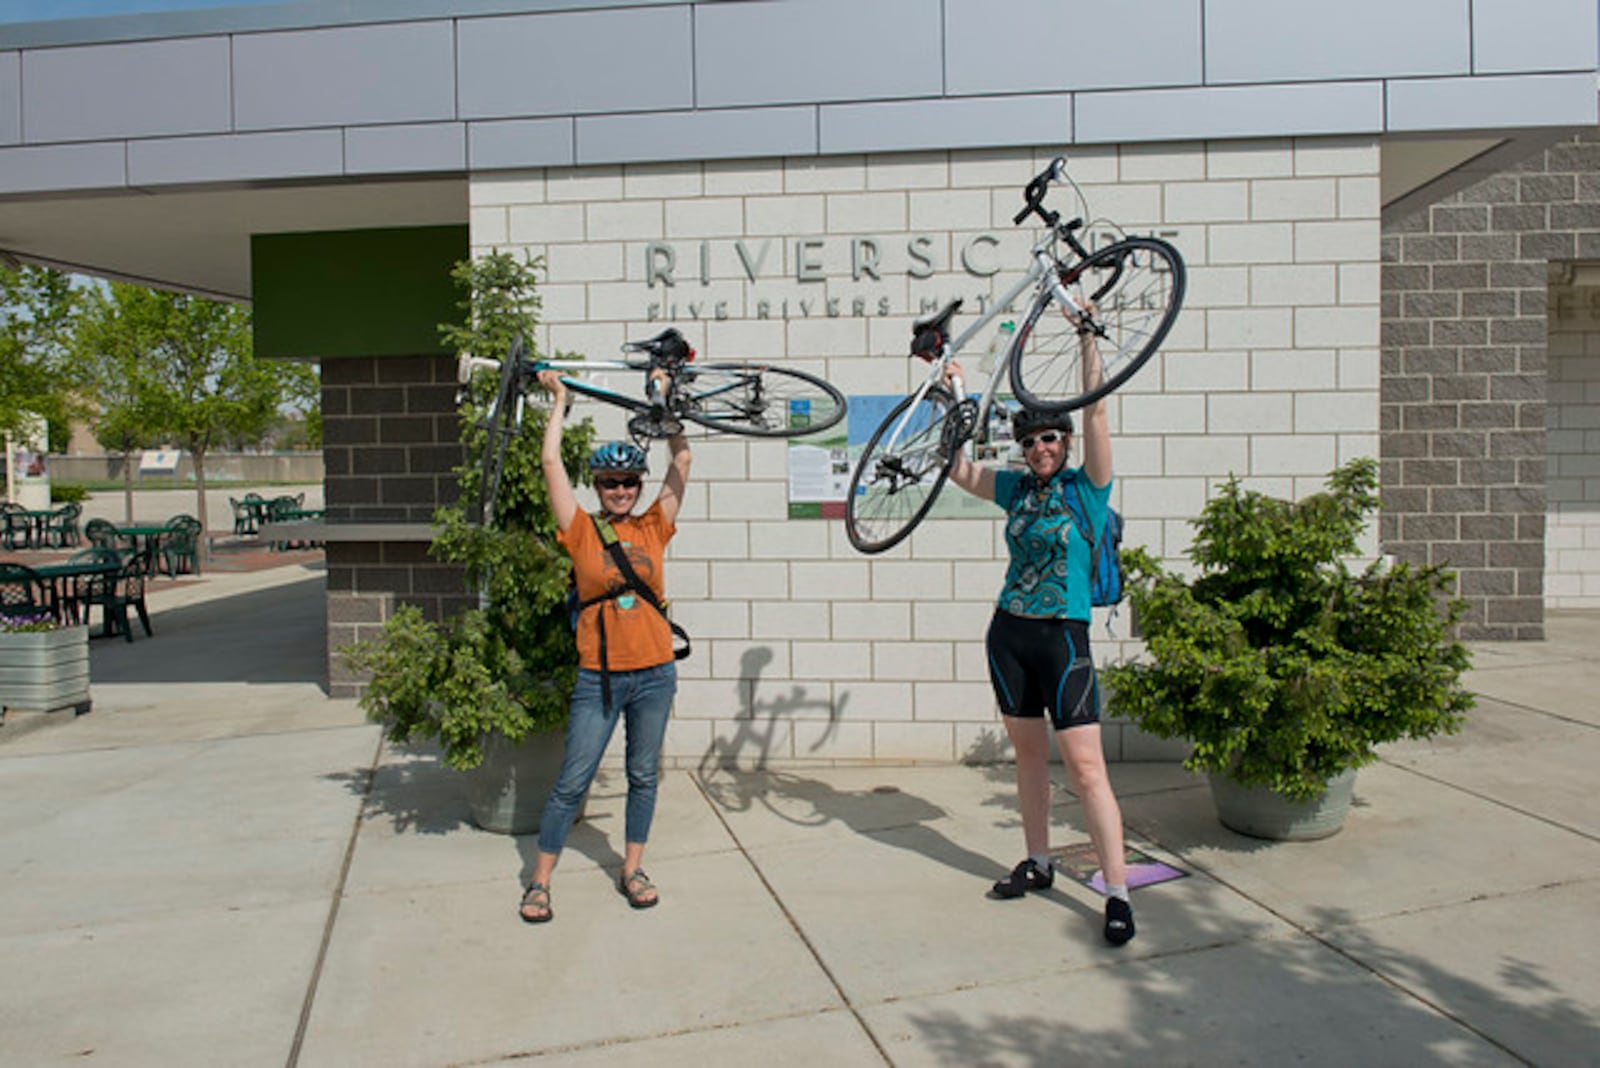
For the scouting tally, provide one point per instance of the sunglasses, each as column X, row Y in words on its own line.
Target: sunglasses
column 626, row 482
column 1049, row 437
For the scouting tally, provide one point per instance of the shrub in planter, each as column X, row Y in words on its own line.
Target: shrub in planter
column 506, row 668
column 1279, row 663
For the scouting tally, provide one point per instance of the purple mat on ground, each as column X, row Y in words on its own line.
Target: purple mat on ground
column 1078, row 863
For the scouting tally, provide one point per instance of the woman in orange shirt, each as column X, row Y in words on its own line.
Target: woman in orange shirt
column 626, row 668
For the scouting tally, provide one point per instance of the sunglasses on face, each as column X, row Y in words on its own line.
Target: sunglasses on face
column 625, row 482
column 1049, row 437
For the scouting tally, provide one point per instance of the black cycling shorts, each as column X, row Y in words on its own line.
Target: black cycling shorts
column 1039, row 664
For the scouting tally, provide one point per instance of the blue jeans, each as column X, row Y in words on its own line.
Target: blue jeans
column 644, row 697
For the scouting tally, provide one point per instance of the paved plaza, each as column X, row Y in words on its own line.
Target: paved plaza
column 221, row 866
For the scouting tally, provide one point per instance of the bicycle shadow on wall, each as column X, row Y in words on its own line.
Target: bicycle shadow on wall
column 735, row 774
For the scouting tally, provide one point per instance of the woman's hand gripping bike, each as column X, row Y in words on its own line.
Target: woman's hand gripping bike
column 751, row 399
column 1126, row 294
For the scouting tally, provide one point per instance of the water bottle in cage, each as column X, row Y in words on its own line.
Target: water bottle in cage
column 997, row 345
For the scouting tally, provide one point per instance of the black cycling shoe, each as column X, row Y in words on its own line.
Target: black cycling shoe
column 1119, row 921
column 1024, row 877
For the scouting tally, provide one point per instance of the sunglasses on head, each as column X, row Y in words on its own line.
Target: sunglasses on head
column 608, row 482
column 1049, row 437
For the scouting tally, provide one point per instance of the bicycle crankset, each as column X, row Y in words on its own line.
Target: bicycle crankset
column 959, row 426
column 657, row 424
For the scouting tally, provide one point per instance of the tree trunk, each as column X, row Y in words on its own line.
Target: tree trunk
column 204, row 548
column 127, row 486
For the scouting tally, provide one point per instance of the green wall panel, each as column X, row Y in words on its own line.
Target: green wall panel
column 354, row 292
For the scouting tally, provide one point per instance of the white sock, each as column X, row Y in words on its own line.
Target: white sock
column 1041, row 861
column 1119, row 892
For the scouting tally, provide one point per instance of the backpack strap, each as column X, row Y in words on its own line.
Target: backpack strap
column 1080, row 516
column 630, row 581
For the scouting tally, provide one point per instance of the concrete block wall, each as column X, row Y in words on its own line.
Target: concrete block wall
column 390, row 444
column 1465, row 372
column 806, row 650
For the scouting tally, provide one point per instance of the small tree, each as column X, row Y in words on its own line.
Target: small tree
column 181, row 367
column 38, row 309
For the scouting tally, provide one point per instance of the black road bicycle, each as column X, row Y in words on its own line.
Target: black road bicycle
column 751, row 399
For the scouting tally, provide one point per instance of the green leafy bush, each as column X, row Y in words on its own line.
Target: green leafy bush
column 68, row 493
column 508, row 666
column 1280, row 664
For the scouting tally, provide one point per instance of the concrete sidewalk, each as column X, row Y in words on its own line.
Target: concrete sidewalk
column 221, row 866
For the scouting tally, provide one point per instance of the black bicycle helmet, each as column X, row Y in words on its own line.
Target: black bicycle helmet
column 1025, row 421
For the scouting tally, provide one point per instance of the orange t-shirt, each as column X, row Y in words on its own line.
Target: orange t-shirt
column 636, row 635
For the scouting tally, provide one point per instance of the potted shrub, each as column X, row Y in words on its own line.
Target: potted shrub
column 1283, row 667
column 490, row 685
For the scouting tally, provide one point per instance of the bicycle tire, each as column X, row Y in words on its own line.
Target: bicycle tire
column 499, row 424
column 892, row 489
column 1137, row 286
column 757, row 400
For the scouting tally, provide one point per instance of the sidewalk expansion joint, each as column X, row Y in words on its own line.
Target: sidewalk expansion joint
column 333, row 908
column 794, row 924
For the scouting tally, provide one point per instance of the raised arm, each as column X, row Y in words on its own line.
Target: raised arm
column 676, row 479
column 975, row 478
column 562, row 500
column 1096, row 425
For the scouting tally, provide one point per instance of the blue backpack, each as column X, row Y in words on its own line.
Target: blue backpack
column 1105, row 555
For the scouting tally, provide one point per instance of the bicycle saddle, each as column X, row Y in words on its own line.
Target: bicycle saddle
column 668, row 347
column 928, row 335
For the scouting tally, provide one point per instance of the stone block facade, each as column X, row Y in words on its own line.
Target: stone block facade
column 390, row 446
column 1465, row 385
column 806, row 650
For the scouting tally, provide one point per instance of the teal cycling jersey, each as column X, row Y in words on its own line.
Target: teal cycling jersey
column 1050, row 557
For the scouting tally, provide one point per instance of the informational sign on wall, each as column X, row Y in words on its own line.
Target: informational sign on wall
column 820, row 467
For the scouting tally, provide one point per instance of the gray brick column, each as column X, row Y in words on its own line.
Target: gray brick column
column 390, row 442
column 1464, row 337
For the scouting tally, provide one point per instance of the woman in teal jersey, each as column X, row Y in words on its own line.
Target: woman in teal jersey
column 1038, row 640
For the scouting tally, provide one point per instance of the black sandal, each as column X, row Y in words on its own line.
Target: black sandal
column 634, row 887
column 1024, row 877
column 536, row 896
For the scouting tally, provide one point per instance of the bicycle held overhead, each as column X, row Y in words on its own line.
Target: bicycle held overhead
column 749, row 399
column 1118, row 301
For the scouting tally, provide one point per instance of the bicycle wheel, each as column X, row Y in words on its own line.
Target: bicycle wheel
column 757, row 400
column 901, row 471
column 1137, row 288
column 499, row 424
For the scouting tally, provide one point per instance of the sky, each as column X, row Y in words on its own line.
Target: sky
column 48, row 10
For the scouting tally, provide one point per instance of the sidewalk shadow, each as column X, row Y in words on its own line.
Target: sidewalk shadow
column 1362, row 1001
column 273, row 635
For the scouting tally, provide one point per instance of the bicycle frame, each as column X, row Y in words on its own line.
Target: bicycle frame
column 1041, row 274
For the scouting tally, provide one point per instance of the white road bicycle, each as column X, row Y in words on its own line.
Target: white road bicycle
column 1127, row 294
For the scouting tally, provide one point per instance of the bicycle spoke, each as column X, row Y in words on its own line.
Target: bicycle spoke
column 758, row 400
column 1136, row 287
column 901, row 472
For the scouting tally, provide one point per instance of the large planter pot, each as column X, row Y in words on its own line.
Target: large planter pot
column 506, row 793
column 1263, row 813
column 45, row 670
